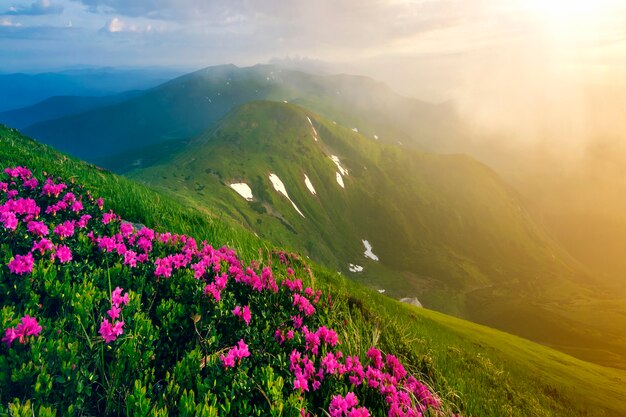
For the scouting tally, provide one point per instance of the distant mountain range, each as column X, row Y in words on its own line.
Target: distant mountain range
column 186, row 106
column 19, row 90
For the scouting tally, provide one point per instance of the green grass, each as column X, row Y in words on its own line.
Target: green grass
column 484, row 371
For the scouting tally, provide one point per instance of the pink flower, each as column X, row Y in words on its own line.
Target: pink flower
column 278, row 335
column 110, row 332
column 77, row 206
column 236, row 353
column 28, row 327
column 43, row 245
column 212, row 290
column 126, row 229
column 63, row 253
column 163, row 267
column 114, row 312
column 243, row 313
column 51, row 189
column 297, row 321
column 376, row 356
column 21, row 172
column 118, row 328
column 340, row 406
column 84, row 219
column 228, row 361
column 303, row 304
column 295, row 285
column 22, row 264
column 130, row 258
column 65, row 229
column 9, row 336
column 9, row 220
column 117, row 299
column 108, row 217
column 31, row 183
column 37, row 228
column 106, row 243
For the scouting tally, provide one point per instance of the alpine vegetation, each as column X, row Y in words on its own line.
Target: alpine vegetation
column 101, row 316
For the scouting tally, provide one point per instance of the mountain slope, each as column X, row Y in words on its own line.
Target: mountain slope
column 489, row 373
column 445, row 229
column 186, row 106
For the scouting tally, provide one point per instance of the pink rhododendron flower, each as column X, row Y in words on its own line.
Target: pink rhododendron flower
column 31, row 183
column 108, row 217
column 212, row 290
column 77, row 206
column 51, row 189
column 130, row 258
column 18, row 172
column 114, row 312
column 303, row 304
column 340, row 406
column 243, row 313
column 43, row 245
column 22, row 264
column 126, row 229
column 110, row 332
column 65, row 229
column 9, row 336
column 9, row 220
column 117, row 299
column 63, row 253
column 235, row 354
column 82, row 222
column 37, row 228
column 28, row 327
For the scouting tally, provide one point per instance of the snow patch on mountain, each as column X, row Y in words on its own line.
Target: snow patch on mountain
column 243, row 190
column 354, row 129
column 312, row 127
column 309, row 185
column 337, row 162
column 368, row 251
column 340, row 180
column 414, row 301
column 355, row 268
column 280, row 187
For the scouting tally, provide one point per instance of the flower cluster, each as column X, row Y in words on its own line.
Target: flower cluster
column 235, row 354
column 111, row 330
column 346, row 406
column 28, row 327
column 243, row 313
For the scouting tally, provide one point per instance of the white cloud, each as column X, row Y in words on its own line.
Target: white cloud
column 36, row 8
column 117, row 25
column 8, row 23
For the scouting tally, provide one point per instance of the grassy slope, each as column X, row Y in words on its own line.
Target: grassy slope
column 487, row 372
column 445, row 227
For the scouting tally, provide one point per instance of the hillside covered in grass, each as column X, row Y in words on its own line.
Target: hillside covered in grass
column 444, row 229
column 471, row 369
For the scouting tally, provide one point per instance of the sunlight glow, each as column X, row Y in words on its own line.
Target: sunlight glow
column 565, row 14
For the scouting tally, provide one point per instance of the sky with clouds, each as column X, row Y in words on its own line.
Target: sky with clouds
column 433, row 49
